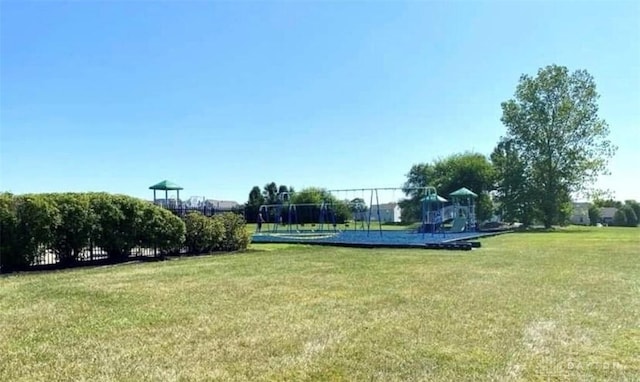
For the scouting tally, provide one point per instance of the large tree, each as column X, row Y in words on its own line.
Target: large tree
column 469, row 169
column 513, row 201
column 310, row 201
column 561, row 143
column 270, row 194
column 252, row 207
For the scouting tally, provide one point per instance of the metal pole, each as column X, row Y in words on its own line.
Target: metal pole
column 370, row 209
column 379, row 220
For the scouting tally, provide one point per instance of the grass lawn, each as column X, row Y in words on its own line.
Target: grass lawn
column 534, row 306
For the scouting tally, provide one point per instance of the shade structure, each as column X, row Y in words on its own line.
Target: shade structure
column 166, row 186
column 433, row 198
column 463, row 204
column 463, row 192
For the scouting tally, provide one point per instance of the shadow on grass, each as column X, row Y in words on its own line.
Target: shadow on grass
column 566, row 230
column 109, row 262
column 79, row 264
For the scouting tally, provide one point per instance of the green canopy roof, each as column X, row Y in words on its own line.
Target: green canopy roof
column 464, row 192
column 166, row 185
column 434, row 198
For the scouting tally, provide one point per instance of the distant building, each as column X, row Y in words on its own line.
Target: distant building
column 389, row 212
column 607, row 214
column 223, row 205
column 580, row 213
column 167, row 203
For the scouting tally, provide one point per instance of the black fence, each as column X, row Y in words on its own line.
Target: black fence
column 49, row 260
column 92, row 255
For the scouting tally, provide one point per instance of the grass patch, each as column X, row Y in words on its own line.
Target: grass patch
column 524, row 307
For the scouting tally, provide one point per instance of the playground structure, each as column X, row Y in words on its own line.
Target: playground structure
column 200, row 204
column 461, row 212
column 441, row 220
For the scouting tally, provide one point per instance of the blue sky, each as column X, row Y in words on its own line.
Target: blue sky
column 220, row 96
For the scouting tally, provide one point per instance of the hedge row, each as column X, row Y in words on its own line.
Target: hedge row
column 224, row 232
column 68, row 223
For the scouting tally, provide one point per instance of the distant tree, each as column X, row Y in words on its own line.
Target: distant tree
column 470, row 170
column 358, row 208
column 635, row 206
column 252, row 207
column 561, row 143
column 270, row 193
column 630, row 216
column 620, row 218
column 313, row 198
column 311, row 195
column 357, row 204
column 594, row 214
column 282, row 189
column 410, row 210
column 602, row 203
column 515, row 203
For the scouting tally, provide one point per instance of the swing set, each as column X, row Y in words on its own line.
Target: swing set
column 326, row 222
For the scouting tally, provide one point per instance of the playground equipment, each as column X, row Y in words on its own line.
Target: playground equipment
column 464, row 207
column 322, row 223
column 432, row 218
column 328, row 214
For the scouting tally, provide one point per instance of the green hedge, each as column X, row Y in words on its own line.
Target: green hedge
column 68, row 223
column 236, row 237
column 203, row 234
column 27, row 228
column 224, row 232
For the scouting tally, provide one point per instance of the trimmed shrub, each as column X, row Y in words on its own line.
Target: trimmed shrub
column 594, row 215
column 71, row 236
column 68, row 223
column 27, row 224
column 203, row 234
column 8, row 227
column 161, row 229
column 236, row 237
column 109, row 224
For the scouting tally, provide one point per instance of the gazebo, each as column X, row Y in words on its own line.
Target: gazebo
column 166, row 186
column 465, row 197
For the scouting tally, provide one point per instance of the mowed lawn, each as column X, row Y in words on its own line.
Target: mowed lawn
column 538, row 306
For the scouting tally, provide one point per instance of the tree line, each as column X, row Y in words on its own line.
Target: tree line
column 555, row 146
column 308, row 202
column 626, row 214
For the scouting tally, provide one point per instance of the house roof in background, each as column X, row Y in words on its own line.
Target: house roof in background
column 608, row 212
column 222, row 204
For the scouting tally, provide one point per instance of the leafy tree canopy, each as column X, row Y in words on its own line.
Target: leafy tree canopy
column 556, row 141
column 469, row 169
